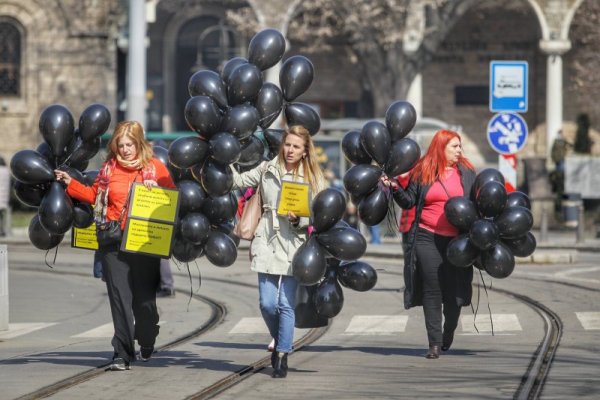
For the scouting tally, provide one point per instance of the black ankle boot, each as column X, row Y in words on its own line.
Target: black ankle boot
column 447, row 342
column 274, row 355
column 281, row 366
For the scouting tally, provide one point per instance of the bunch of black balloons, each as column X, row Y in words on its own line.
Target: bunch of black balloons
column 329, row 256
column 494, row 229
column 379, row 149
column 67, row 148
column 231, row 112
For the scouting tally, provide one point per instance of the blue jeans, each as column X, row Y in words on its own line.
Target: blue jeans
column 277, row 299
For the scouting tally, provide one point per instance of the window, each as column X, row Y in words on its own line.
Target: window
column 471, row 95
column 10, row 58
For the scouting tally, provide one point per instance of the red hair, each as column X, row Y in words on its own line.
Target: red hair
column 433, row 163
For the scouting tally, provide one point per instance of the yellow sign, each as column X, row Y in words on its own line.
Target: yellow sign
column 157, row 204
column 294, row 197
column 84, row 238
column 143, row 236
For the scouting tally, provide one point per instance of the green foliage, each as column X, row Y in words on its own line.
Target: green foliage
column 583, row 143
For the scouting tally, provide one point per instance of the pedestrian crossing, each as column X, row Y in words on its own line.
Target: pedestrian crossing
column 481, row 324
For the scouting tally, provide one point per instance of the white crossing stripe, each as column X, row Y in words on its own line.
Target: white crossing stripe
column 102, row 331
column 377, row 324
column 20, row 329
column 589, row 320
column 502, row 323
column 250, row 325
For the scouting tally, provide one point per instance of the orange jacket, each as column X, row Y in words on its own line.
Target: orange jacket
column 121, row 180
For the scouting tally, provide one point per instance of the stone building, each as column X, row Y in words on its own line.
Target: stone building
column 74, row 52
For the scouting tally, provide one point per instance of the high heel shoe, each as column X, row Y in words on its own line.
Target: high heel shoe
column 281, row 366
column 447, row 341
column 433, row 353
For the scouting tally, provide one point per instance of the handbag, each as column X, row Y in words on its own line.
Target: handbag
column 108, row 232
column 248, row 222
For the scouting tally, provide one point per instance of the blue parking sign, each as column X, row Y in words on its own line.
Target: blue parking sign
column 508, row 86
column 507, row 133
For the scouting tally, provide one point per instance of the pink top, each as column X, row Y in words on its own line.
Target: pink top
column 433, row 217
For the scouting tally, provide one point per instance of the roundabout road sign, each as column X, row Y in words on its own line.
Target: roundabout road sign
column 507, row 133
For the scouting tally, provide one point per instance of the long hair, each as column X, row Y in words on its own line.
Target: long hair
column 312, row 171
column 433, row 164
column 134, row 131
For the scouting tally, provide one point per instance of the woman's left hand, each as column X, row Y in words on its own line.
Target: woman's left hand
column 294, row 220
column 150, row 183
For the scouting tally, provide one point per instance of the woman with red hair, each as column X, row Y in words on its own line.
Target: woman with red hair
column 430, row 280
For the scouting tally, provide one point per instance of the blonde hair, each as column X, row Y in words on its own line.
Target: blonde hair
column 313, row 174
column 134, row 131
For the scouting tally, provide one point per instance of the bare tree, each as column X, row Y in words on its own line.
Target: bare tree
column 388, row 40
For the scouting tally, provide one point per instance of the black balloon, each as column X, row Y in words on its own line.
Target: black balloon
column 202, row 115
column 373, row 207
column 191, row 196
column 220, row 209
column 74, row 173
column 328, row 207
column 93, row 122
column 514, row 222
column 216, row 178
column 461, row 252
column 57, row 127
column 523, row 246
column 194, row 227
column 31, row 167
column 295, row 76
column 266, row 48
column 82, row 150
column 461, row 212
column 220, row 249
column 273, row 137
column 305, row 311
column 487, row 175
column 484, row 234
column 45, row 150
column 227, row 228
column 244, row 84
column 241, row 121
column 269, row 104
column 187, row 151
column 303, row 114
column 208, row 83
column 329, row 298
column 353, row 150
column 89, row 177
column 402, row 157
column 180, row 174
column 357, row 275
column 225, row 148
column 361, row 179
column 498, row 261
column 400, row 118
column 309, row 264
column 30, row 195
column 518, row 199
column 491, row 199
column 343, row 243
column 252, row 152
column 230, row 66
column 185, row 251
column 376, row 141
column 41, row 238
column 56, row 210
column 83, row 215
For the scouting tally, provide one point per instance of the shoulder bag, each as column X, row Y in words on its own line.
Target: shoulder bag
column 248, row 222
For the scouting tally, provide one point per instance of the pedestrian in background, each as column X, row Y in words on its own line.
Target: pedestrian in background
column 277, row 237
column 430, row 280
column 131, row 278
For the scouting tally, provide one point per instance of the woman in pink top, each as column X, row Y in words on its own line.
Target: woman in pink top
column 430, row 280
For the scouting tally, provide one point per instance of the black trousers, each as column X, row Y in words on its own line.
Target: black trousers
column 439, row 285
column 131, row 280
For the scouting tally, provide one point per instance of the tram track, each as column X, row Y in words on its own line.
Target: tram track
column 218, row 313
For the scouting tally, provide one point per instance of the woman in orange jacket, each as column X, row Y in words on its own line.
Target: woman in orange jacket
column 131, row 278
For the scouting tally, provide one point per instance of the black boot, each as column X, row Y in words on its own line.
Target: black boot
column 274, row 355
column 281, row 366
column 448, row 339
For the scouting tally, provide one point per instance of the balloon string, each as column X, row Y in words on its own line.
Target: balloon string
column 488, row 301
column 199, row 275
column 476, row 309
column 266, row 117
column 392, row 215
column 46, row 259
column 187, row 266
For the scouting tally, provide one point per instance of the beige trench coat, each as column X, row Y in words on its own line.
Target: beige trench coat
column 276, row 239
